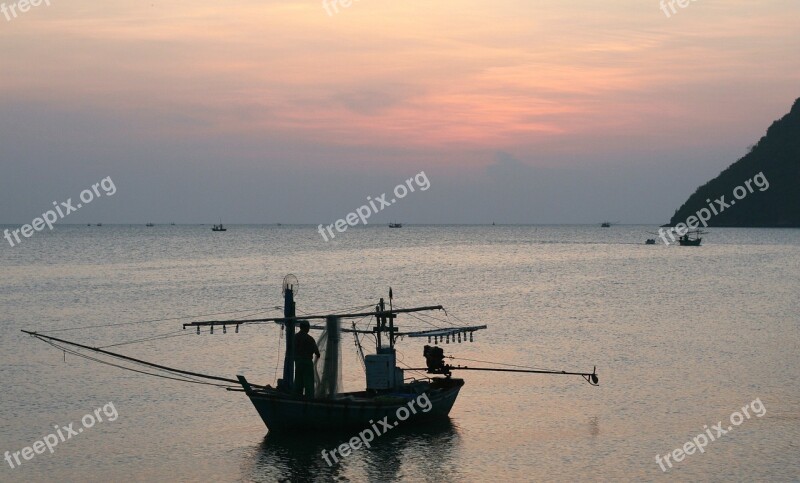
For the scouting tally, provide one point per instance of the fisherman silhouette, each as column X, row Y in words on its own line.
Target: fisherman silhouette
column 304, row 347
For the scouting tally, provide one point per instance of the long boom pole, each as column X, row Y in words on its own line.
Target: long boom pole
column 591, row 377
column 285, row 319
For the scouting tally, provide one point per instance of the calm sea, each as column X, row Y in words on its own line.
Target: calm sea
column 682, row 338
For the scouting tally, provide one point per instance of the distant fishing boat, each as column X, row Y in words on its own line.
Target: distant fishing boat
column 395, row 225
column 389, row 389
column 607, row 224
column 99, row 224
column 650, row 241
column 691, row 238
column 219, row 227
column 150, row 224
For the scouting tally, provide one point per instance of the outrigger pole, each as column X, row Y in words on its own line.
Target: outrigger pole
column 591, row 377
column 285, row 319
column 380, row 314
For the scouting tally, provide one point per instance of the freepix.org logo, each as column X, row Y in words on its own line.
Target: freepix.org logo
column 62, row 434
column 364, row 212
column 703, row 215
column 12, row 11
column 61, row 211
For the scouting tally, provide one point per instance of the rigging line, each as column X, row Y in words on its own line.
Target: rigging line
column 410, row 369
column 180, row 379
column 156, row 320
column 427, row 322
column 445, row 321
column 167, row 335
column 187, row 379
column 336, row 311
column 113, row 354
column 348, row 309
column 85, row 356
column 100, row 361
column 459, row 319
column 147, row 339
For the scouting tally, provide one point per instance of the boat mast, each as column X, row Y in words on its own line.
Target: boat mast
column 391, row 320
column 382, row 315
column 287, row 382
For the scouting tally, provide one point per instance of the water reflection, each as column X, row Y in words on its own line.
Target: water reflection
column 404, row 452
column 594, row 427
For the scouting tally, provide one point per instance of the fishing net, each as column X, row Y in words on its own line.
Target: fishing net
column 327, row 369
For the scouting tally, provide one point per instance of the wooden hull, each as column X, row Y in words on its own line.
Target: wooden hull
column 285, row 412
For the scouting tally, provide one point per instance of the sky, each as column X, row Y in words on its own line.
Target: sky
column 286, row 111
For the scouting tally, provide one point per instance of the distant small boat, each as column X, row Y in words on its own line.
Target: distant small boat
column 99, row 224
column 650, row 241
column 172, row 224
column 691, row 239
column 219, row 227
column 395, row 225
column 149, row 224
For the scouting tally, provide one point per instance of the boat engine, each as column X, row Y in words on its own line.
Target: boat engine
column 434, row 359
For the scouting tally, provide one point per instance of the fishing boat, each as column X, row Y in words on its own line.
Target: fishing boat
column 219, row 227
column 650, row 241
column 388, row 390
column 691, row 238
column 395, row 225
column 149, row 224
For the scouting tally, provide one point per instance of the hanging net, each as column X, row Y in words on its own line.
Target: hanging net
column 327, row 369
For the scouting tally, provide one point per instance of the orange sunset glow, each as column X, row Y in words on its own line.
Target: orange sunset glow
column 445, row 85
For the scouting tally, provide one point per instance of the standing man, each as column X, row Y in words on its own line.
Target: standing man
column 304, row 347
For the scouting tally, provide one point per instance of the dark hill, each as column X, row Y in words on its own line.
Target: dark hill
column 777, row 156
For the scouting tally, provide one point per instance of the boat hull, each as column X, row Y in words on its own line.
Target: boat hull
column 283, row 412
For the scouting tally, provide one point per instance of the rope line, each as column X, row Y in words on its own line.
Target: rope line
column 85, row 356
column 159, row 320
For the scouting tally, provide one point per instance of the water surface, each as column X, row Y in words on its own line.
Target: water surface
column 682, row 337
